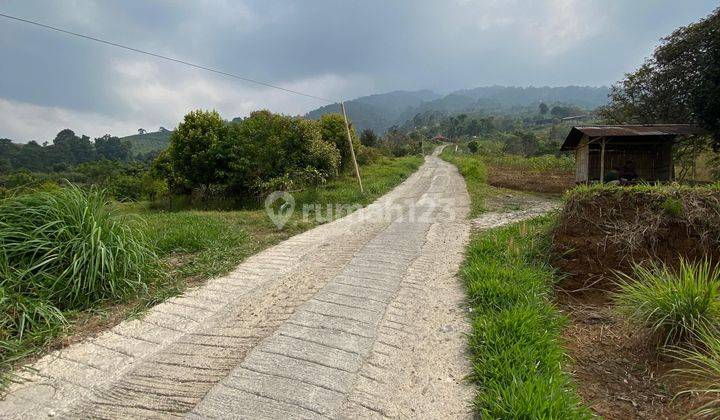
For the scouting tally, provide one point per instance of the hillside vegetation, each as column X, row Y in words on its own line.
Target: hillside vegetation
column 382, row 111
column 148, row 142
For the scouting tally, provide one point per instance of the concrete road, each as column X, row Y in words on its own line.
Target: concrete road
column 361, row 317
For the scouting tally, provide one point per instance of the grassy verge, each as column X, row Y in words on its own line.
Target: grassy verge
column 192, row 246
column 515, row 347
column 473, row 170
column 517, row 357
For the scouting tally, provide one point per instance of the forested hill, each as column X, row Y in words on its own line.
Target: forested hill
column 380, row 112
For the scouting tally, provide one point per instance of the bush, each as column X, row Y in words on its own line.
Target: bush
column 472, row 146
column 676, row 304
column 64, row 250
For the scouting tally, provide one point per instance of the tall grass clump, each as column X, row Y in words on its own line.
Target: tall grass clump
column 64, row 250
column 675, row 304
column 701, row 371
column 515, row 346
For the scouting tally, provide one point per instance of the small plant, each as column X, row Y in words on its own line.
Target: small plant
column 672, row 206
column 676, row 304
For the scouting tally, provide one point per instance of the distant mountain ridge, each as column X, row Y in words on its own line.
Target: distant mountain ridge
column 381, row 111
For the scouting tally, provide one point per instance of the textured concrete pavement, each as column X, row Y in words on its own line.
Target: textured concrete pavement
column 361, row 317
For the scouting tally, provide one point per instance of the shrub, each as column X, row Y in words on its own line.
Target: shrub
column 64, row 250
column 674, row 304
column 472, row 146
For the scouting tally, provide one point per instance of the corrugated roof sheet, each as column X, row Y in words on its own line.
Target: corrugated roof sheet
column 650, row 130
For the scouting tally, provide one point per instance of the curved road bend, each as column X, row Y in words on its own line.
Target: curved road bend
column 361, row 317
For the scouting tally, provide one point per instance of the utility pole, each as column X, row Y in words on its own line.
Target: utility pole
column 352, row 149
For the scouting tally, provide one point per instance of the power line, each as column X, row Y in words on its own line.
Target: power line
column 163, row 57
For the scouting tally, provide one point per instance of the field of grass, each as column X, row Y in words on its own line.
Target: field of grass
column 534, row 163
column 155, row 254
column 516, row 354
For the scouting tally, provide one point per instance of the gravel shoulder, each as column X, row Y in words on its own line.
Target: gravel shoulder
column 359, row 317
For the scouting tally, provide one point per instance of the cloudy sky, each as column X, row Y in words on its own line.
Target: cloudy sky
column 329, row 48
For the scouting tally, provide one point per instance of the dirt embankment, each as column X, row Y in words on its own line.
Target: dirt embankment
column 618, row 370
column 542, row 181
column 603, row 229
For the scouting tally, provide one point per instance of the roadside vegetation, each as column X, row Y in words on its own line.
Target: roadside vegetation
column 517, row 355
column 516, row 351
column 79, row 257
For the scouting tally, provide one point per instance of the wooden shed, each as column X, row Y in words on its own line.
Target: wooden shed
column 646, row 150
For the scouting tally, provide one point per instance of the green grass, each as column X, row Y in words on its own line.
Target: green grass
column 63, row 251
column 148, row 142
column 674, row 304
column 516, row 352
column 701, row 371
column 535, row 163
column 472, row 168
column 66, row 254
column 515, row 347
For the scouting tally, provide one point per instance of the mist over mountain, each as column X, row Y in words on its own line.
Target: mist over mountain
column 382, row 111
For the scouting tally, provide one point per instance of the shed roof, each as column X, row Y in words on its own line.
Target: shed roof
column 648, row 130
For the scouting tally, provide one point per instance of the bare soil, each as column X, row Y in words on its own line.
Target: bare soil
column 617, row 368
column 552, row 182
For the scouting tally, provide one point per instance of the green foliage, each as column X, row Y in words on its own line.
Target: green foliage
column 516, row 354
column 473, row 170
column 63, row 251
column 250, row 155
column 535, row 163
column 333, row 131
column 675, row 304
column 701, row 371
column 679, row 84
column 472, row 146
column 368, row 138
column 141, row 144
column 672, row 206
column 196, row 148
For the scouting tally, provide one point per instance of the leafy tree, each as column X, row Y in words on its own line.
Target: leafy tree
column 680, row 83
column 368, row 138
column 522, row 143
column 31, row 156
column 112, row 148
column 333, row 131
column 195, row 148
column 543, row 108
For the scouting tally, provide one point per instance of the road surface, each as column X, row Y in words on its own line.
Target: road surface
column 361, row 317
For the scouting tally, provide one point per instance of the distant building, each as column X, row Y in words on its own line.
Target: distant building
column 440, row 138
column 642, row 152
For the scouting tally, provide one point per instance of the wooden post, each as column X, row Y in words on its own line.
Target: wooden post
column 352, row 149
column 602, row 161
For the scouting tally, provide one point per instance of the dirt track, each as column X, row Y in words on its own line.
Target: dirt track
column 362, row 317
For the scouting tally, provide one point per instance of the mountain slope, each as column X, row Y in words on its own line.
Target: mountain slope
column 380, row 112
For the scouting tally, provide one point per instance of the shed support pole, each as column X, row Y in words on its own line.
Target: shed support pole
column 602, row 161
column 350, row 143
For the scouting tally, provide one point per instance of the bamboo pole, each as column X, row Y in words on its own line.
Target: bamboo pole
column 352, row 149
